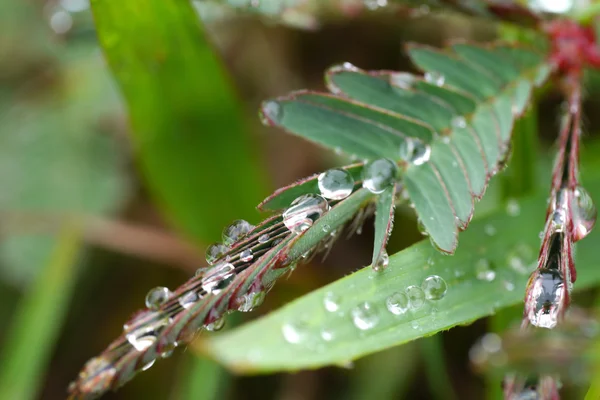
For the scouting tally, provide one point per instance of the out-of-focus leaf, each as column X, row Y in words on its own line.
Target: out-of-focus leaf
column 188, row 134
column 37, row 322
column 261, row 347
column 449, row 132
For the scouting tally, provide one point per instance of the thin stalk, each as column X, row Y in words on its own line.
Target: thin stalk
column 38, row 320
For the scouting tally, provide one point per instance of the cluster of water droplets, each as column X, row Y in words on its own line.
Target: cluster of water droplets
column 366, row 315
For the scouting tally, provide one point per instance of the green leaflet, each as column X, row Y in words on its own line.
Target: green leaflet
column 384, row 222
column 463, row 113
column 260, row 347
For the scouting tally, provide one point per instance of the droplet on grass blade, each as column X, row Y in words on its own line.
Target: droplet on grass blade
column 218, row 277
column 157, row 297
column 237, row 230
column 435, row 77
column 434, row 287
column 364, row 316
column 397, row 303
column 416, row 297
column 335, row 184
column 379, row 174
column 304, row 211
column 414, row 151
column 215, row 251
column 584, row 213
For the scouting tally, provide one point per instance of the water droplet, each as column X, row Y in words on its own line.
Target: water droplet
column 145, row 335
column 327, row 335
column 294, row 332
column 397, row 303
column 236, row 231
column 459, row 122
column 414, row 151
column 545, row 298
column 157, row 297
column 216, row 325
column 148, row 365
column 382, row 263
column 364, row 316
column 188, row 299
column 558, row 219
column 304, row 211
column 246, row 255
column 378, row 175
column 416, row 297
column 435, row 77
column 215, row 251
column 584, row 213
column 489, row 230
column 251, row 300
column 335, row 184
column 421, row 227
column 326, row 228
column 97, row 373
column 434, row 287
column 272, row 111
column 264, row 238
column 61, row 21
column 484, row 271
column 167, row 349
column 513, row 208
column 375, row 4
column 403, row 80
column 331, row 302
column 218, row 277
column 201, row 271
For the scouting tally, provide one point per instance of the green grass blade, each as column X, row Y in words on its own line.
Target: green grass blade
column 184, row 116
column 37, row 322
column 468, row 297
column 384, row 221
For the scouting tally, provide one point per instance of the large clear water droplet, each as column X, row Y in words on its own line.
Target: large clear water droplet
column 246, row 255
column 416, row 297
column 383, row 262
column 584, row 213
column 414, row 151
column 434, row 287
column 435, row 77
column 331, row 302
column 145, row 335
column 304, row 211
column 378, row 175
column 397, row 303
column 157, row 297
column 335, row 184
column 484, row 271
column 294, row 332
column 250, row 301
column 188, row 299
column 237, row 230
column 545, row 298
column 216, row 325
column 364, row 316
column 215, row 251
column 218, row 277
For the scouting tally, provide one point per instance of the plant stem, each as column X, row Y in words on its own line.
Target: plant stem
column 37, row 322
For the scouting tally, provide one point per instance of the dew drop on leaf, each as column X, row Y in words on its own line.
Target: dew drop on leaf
column 237, row 230
column 397, row 303
column 188, row 299
column 327, row 335
column 148, row 365
column 484, row 271
column 421, row 227
column 584, row 213
column 403, row 80
column 145, row 335
column 379, row 174
column 335, row 184
column 414, row 151
column 364, row 316
column 264, row 238
column 157, row 297
column 434, row 287
column 216, row 325
column 271, row 111
column 218, row 277
column 513, row 208
column 459, row 122
column 435, row 77
column 215, row 251
column 250, row 301
column 246, row 255
column 545, row 298
column 304, row 211
column 294, row 332
column 331, row 302
column 382, row 263
column 416, row 297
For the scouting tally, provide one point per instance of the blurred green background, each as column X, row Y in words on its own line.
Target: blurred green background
column 95, row 213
